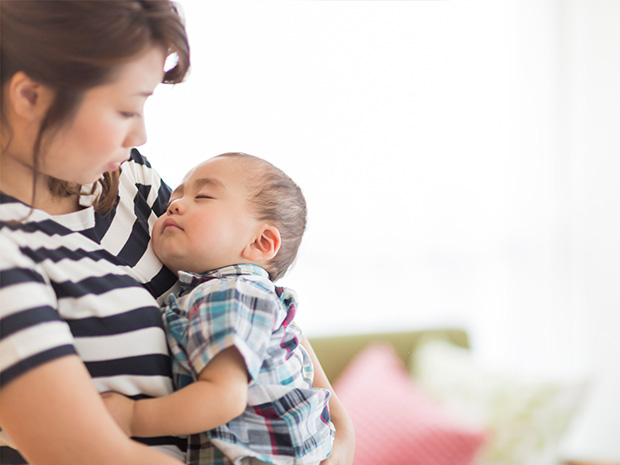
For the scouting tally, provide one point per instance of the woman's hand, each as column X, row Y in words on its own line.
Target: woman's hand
column 341, row 454
column 344, row 442
column 121, row 409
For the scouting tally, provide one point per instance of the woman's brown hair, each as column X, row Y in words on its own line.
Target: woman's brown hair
column 73, row 46
column 276, row 199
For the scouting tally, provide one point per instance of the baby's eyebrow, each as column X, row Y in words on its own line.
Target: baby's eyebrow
column 178, row 190
column 198, row 183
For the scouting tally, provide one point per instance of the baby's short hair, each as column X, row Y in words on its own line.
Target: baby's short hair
column 276, row 199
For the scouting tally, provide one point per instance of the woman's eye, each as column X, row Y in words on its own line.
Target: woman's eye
column 129, row 114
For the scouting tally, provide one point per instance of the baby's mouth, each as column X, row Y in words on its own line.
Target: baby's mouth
column 170, row 223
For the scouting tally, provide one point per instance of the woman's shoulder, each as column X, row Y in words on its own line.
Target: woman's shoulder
column 138, row 158
column 22, row 228
column 13, row 241
column 139, row 168
column 142, row 186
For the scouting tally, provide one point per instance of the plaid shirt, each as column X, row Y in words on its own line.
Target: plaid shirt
column 286, row 420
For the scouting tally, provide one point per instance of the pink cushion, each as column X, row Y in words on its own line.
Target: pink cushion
column 395, row 423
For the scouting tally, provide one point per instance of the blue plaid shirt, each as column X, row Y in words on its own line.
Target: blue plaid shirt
column 286, row 420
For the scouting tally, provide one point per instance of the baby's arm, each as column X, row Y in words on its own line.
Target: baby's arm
column 218, row 396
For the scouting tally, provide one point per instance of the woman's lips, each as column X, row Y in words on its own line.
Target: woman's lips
column 113, row 166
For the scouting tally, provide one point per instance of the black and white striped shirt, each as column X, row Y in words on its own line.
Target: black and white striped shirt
column 86, row 283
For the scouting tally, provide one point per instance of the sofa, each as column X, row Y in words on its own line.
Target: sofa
column 420, row 397
column 336, row 352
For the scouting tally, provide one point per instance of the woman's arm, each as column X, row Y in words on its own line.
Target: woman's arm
column 344, row 444
column 55, row 416
column 219, row 395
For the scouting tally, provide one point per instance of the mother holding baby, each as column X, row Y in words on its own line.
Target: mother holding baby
column 79, row 283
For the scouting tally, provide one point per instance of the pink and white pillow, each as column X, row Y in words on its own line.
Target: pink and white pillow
column 395, row 422
column 525, row 415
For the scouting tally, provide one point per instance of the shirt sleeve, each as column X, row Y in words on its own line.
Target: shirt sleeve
column 149, row 182
column 31, row 330
column 230, row 313
column 144, row 196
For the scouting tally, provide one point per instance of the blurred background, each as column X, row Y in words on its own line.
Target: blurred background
column 460, row 160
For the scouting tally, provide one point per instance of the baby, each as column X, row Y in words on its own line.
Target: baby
column 232, row 228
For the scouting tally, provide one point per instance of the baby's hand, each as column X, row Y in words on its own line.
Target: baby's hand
column 121, row 409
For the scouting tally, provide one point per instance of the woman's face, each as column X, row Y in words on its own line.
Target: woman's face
column 107, row 124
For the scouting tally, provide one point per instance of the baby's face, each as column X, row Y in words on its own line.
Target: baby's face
column 208, row 222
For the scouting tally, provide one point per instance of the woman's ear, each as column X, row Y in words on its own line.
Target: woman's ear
column 265, row 245
column 29, row 99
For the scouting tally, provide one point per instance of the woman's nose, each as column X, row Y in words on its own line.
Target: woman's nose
column 137, row 135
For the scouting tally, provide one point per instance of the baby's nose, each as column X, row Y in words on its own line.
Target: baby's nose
column 173, row 207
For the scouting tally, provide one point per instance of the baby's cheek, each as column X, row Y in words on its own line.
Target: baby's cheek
column 156, row 236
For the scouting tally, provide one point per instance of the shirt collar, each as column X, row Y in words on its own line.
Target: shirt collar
column 189, row 280
column 89, row 193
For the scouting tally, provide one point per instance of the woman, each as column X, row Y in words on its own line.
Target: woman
column 78, row 280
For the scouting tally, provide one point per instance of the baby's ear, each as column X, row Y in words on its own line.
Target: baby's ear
column 265, row 245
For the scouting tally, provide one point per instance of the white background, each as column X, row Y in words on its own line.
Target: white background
column 460, row 161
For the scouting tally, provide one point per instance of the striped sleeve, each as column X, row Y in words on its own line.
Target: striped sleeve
column 31, row 330
column 156, row 191
column 127, row 233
